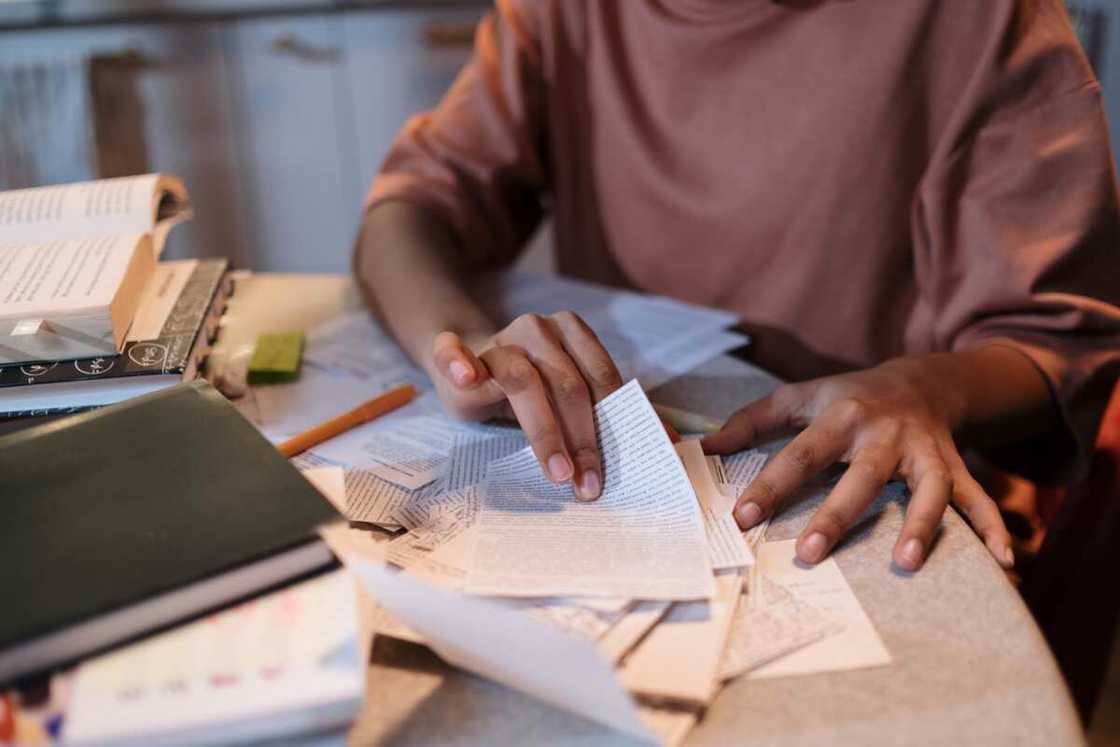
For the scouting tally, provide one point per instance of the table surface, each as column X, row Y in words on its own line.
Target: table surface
column 969, row 664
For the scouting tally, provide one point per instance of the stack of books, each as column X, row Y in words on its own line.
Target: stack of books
column 89, row 315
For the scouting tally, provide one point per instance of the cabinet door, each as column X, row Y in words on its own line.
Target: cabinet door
column 399, row 63
column 171, row 87
column 295, row 141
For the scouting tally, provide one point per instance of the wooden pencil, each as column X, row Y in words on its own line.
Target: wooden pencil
column 363, row 413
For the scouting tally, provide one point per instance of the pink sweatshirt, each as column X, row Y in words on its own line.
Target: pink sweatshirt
column 858, row 179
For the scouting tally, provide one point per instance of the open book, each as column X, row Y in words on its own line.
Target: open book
column 74, row 260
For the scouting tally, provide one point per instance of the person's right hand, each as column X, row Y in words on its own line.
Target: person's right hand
column 545, row 372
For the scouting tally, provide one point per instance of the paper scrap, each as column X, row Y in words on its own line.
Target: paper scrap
column 741, row 468
column 680, row 658
column 642, row 539
column 857, row 646
column 769, row 623
column 650, row 338
column 727, row 547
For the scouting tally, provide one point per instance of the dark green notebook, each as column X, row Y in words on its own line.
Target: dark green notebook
column 122, row 520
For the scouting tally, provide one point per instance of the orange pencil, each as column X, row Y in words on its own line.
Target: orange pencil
column 363, row 413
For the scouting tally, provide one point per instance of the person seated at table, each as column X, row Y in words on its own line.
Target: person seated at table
column 911, row 205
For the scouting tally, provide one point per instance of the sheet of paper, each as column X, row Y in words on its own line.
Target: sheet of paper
column 651, row 338
column 64, row 277
column 642, row 539
column 409, row 451
column 287, row 661
column 769, row 623
column 471, row 453
column 727, row 548
column 318, row 396
column 356, row 345
column 824, row 587
column 507, row 647
column 680, row 657
column 78, row 211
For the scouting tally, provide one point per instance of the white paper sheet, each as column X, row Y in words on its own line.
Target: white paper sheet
column 318, row 396
column 824, row 587
column 471, row 453
column 642, row 539
column 357, row 346
column 510, row 648
column 412, row 447
column 727, row 548
column 651, row 338
column 771, row 621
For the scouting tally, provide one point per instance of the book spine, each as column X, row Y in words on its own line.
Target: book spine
column 19, row 414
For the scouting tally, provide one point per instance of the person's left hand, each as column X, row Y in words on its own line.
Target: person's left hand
column 894, row 418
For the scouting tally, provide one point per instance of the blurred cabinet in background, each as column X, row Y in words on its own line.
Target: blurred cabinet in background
column 317, row 101
column 277, row 122
column 137, row 98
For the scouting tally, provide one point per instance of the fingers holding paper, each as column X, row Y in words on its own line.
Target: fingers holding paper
column 545, row 372
column 881, row 425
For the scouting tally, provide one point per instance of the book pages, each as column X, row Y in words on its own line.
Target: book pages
column 85, row 210
column 650, row 338
column 642, row 539
column 70, row 299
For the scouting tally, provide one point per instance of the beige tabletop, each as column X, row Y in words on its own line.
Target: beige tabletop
column 969, row 664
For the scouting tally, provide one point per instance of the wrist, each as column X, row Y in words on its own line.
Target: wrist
column 936, row 378
column 992, row 391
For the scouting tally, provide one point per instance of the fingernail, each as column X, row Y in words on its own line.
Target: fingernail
column 912, row 553
column 748, row 514
column 559, row 467
column 589, row 485
column 460, row 371
column 1008, row 557
column 813, row 548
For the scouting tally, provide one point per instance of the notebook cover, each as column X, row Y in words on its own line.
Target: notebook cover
column 108, row 508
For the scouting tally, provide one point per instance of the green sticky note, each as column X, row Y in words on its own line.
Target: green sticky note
column 276, row 358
